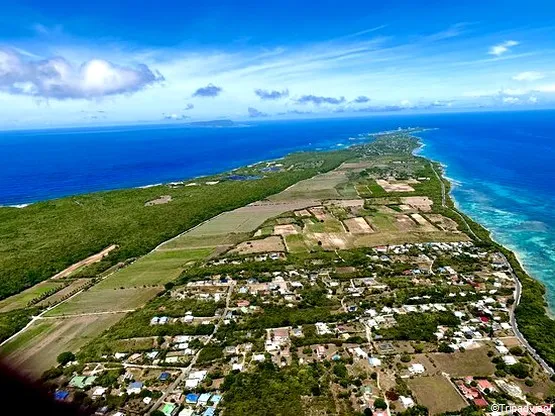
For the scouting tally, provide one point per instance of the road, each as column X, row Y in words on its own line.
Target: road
column 514, row 324
column 185, row 372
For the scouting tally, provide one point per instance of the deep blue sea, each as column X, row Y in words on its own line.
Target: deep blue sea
column 502, row 164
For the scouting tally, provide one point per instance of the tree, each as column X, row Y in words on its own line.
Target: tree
column 65, row 357
column 516, row 350
column 368, row 412
column 380, row 403
column 444, row 347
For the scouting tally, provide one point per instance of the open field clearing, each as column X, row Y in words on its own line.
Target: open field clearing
column 395, row 186
column 469, row 363
column 358, row 225
column 321, row 186
column 436, row 393
column 22, row 299
column 421, row 203
column 105, row 300
column 423, row 222
column 155, row 268
column 286, row 229
column 296, row 244
column 35, row 350
column 265, row 245
column 444, row 223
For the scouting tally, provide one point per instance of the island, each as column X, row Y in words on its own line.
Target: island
column 322, row 283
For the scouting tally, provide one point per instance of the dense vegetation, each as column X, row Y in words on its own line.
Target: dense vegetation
column 40, row 240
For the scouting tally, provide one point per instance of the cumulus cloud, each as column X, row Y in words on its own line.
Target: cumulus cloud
column 501, row 48
column 533, row 99
column 271, row 95
column 361, row 99
column 209, row 91
column 189, row 107
column 528, row 76
column 253, row 112
column 511, row 100
column 57, row 78
column 175, row 116
column 317, row 100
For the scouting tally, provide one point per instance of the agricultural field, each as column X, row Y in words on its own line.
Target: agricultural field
column 36, row 350
column 436, row 393
column 468, row 363
column 22, row 299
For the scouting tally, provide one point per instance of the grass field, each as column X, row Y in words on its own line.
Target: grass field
column 105, row 300
column 58, row 296
column 469, row 363
column 436, row 393
column 35, row 350
column 22, row 299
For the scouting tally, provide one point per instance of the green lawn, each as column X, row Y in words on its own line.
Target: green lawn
column 22, row 299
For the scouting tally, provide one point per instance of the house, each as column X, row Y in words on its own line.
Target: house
column 243, row 303
column 99, row 392
column 81, row 382
column 209, row 412
column 203, row 399
column 485, row 384
column 417, row 369
column 509, row 360
column 191, row 398
column 481, row 402
column 135, row 387
column 216, row 398
column 164, row 376
column 61, row 395
column 374, row 362
column 406, row 401
column 187, row 411
column 169, row 409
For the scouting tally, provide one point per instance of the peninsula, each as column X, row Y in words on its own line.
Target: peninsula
column 342, row 282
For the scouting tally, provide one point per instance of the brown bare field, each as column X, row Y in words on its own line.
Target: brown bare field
column 303, row 213
column 423, row 222
column 320, row 213
column 35, row 350
column 286, row 229
column 394, row 186
column 85, row 262
column 446, row 224
column 436, row 393
column 404, row 223
column 266, row 245
column 358, row 225
column 330, row 241
column 422, row 203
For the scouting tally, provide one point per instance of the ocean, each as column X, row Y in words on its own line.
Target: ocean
column 502, row 164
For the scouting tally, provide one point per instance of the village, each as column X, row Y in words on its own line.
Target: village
column 364, row 293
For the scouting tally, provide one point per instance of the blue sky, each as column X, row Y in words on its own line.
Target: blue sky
column 106, row 62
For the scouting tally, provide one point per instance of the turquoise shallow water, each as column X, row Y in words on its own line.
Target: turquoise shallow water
column 503, row 176
column 502, row 164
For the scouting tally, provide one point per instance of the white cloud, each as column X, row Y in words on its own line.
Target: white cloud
column 501, row 48
column 533, row 99
column 57, row 78
column 511, row 100
column 528, row 76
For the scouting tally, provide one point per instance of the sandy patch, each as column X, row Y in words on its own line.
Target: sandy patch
column 89, row 260
column 446, row 224
column 394, row 186
column 286, row 229
column 303, row 213
column 358, row 225
column 164, row 199
column 320, row 213
column 422, row 203
column 266, row 245
column 423, row 222
column 331, row 241
column 404, row 223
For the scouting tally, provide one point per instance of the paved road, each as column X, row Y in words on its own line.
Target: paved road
column 518, row 334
